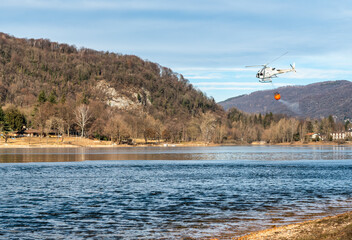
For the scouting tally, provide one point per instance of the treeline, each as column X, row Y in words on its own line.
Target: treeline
column 97, row 120
column 276, row 128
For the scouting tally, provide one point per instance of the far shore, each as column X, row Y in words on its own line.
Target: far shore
column 78, row 142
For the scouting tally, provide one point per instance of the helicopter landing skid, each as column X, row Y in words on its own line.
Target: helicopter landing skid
column 266, row 81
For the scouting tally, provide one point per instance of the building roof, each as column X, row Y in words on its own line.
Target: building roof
column 31, row 130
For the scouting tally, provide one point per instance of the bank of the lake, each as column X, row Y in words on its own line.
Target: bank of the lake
column 77, row 142
column 329, row 228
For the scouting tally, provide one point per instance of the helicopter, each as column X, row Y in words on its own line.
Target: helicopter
column 266, row 74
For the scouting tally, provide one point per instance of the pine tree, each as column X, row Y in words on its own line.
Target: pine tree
column 52, row 97
column 63, row 99
column 2, row 115
column 42, row 97
column 14, row 119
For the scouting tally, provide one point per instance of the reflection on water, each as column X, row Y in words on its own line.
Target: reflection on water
column 202, row 192
column 176, row 153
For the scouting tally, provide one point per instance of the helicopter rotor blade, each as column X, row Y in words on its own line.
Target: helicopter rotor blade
column 257, row 66
column 276, row 58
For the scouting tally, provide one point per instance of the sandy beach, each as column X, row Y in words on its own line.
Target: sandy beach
column 328, row 228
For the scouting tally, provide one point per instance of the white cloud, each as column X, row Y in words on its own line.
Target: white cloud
column 214, row 69
column 258, row 84
column 201, row 77
column 181, row 5
column 131, row 5
column 69, row 5
column 311, row 73
column 228, row 88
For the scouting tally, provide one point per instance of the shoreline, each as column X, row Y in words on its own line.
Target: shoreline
column 65, row 145
column 331, row 227
column 77, row 142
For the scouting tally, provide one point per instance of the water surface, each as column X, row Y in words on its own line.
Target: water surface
column 168, row 193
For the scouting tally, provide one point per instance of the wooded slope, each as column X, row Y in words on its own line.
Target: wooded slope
column 127, row 82
column 314, row 100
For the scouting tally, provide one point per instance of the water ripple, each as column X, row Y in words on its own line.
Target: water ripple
column 216, row 190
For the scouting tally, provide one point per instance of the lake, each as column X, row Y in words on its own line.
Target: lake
column 168, row 192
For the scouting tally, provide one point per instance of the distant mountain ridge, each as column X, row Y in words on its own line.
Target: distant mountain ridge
column 314, row 100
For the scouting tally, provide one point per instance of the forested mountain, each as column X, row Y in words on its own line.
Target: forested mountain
column 314, row 100
column 28, row 66
column 49, row 88
column 37, row 76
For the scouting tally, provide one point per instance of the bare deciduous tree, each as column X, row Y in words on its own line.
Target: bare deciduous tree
column 41, row 115
column 208, row 126
column 117, row 128
column 56, row 125
column 82, row 117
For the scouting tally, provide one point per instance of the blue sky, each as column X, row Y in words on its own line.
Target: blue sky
column 209, row 42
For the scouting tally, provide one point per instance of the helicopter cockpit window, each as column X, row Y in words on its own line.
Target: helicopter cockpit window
column 273, row 68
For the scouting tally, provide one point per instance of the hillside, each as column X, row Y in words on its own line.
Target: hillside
column 127, row 82
column 54, row 87
column 314, row 100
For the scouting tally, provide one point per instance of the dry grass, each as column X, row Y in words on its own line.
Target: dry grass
column 51, row 142
column 25, row 142
column 85, row 142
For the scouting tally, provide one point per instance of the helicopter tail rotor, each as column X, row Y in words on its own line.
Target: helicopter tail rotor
column 293, row 67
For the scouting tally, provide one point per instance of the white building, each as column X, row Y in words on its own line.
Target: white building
column 341, row 135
